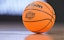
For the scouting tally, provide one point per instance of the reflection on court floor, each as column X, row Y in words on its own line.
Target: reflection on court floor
column 16, row 31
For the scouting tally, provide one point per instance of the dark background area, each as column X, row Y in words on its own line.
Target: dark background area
column 56, row 4
column 59, row 9
column 9, row 18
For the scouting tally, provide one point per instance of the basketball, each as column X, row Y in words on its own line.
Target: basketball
column 38, row 37
column 38, row 17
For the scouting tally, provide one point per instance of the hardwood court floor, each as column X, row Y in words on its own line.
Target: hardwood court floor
column 16, row 31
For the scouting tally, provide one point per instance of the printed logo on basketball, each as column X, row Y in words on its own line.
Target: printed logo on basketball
column 30, row 15
column 35, row 5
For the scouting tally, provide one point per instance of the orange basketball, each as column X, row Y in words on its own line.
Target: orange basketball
column 38, row 17
column 38, row 37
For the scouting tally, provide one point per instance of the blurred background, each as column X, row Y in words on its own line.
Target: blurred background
column 11, row 10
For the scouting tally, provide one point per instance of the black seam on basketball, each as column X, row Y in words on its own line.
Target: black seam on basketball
column 42, row 28
column 46, row 6
column 51, row 18
column 39, row 20
column 41, row 11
